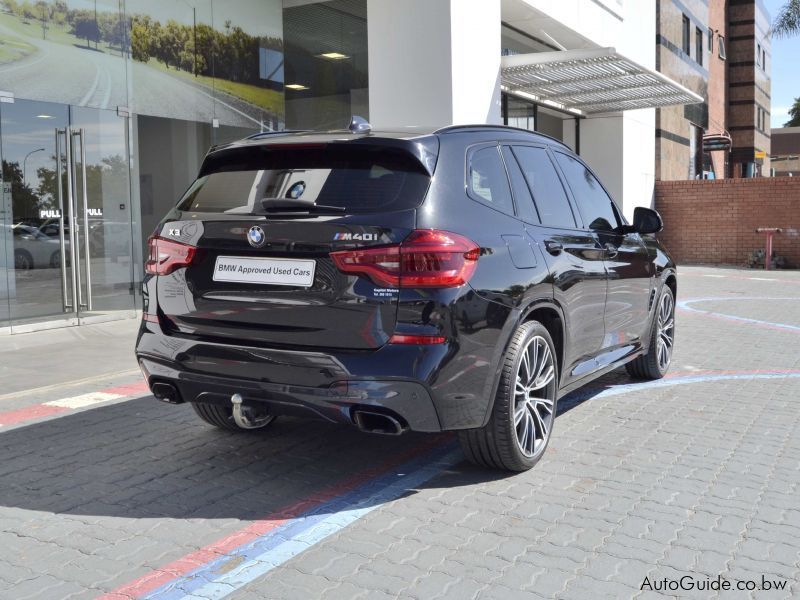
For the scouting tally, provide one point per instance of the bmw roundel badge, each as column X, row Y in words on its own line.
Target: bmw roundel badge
column 256, row 236
column 297, row 190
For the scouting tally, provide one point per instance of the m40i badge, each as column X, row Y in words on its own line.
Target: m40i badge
column 361, row 237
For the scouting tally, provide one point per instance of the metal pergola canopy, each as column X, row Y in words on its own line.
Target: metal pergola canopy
column 591, row 81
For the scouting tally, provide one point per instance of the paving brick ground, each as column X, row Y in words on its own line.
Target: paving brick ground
column 697, row 477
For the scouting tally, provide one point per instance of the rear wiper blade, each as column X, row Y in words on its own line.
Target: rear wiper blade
column 287, row 205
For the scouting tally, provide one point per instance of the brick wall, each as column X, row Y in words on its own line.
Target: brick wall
column 714, row 221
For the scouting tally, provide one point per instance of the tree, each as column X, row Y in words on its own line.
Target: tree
column 84, row 26
column 794, row 113
column 788, row 20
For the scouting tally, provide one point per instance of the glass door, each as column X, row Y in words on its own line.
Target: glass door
column 102, row 214
column 33, row 216
column 65, row 240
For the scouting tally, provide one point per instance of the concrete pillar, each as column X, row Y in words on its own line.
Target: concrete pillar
column 433, row 62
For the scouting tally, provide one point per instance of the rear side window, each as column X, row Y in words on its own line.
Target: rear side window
column 487, row 179
column 545, row 185
column 522, row 195
column 355, row 180
column 595, row 205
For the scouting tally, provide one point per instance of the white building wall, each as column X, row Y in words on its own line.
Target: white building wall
column 433, row 62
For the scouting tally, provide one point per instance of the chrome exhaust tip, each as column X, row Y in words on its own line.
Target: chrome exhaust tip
column 376, row 422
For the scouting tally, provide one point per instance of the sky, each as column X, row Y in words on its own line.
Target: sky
column 785, row 70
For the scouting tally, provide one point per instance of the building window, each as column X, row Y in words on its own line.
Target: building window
column 686, row 34
column 762, row 119
column 698, row 45
column 758, row 55
column 721, row 47
column 763, row 58
column 710, row 40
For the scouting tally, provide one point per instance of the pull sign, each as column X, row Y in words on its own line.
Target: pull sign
column 94, row 212
column 50, row 214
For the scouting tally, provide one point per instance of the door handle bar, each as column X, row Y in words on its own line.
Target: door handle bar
column 66, row 301
column 86, row 234
column 73, row 221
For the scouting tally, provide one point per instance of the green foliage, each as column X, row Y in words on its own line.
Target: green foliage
column 233, row 53
column 787, row 22
column 230, row 53
column 794, row 113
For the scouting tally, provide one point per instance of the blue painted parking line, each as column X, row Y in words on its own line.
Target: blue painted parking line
column 687, row 306
column 218, row 579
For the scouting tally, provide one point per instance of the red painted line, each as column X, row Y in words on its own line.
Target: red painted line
column 37, row 411
column 158, row 577
column 129, row 389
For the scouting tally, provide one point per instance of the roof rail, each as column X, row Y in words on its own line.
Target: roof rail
column 485, row 126
column 261, row 134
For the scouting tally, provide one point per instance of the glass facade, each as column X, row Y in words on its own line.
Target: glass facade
column 108, row 108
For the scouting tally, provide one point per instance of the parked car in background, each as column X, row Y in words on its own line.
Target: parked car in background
column 461, row 280
column 34, row 250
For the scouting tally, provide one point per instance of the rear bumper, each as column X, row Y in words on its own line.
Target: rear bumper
column 407, row 401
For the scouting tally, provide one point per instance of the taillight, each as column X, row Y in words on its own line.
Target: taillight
column 167, row 256
column 427, row 258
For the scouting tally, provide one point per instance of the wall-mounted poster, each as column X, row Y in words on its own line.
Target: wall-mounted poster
column 197, row 60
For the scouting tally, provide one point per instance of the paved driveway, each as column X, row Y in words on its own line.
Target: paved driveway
column 645, row 485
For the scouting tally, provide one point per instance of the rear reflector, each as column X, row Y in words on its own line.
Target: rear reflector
column 427, row 258
column 416, row 339
column 150, row 318
column 167, row 256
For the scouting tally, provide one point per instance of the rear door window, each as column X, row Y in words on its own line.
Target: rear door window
column 350, row 180
column 487, row 180
column 545, row 185
column 596, row 207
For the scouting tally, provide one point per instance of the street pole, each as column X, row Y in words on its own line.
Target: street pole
column 194, row 31
column 25, row 163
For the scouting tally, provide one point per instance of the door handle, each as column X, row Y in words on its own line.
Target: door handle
column 553, row 247
column 67, row 302
column 87, row 249
column 611, row 250
column 72, row 220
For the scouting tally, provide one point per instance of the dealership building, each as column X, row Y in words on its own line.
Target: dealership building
column 107, row 109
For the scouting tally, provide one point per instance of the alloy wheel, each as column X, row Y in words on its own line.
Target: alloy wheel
column 666, row 331
column 533, row 408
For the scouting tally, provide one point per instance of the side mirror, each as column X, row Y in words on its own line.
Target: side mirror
column 647, row 220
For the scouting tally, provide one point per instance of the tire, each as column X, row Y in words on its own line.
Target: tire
column 655, row 363
column 222, row 417
column 502, row 443
column 23, row 261
column 55, row 259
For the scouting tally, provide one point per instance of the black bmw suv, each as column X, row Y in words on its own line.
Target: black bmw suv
column 461, row 280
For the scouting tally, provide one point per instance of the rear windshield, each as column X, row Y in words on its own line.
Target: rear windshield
column 353, row 180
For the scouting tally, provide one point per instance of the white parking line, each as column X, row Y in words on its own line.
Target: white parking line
column 83, row 400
